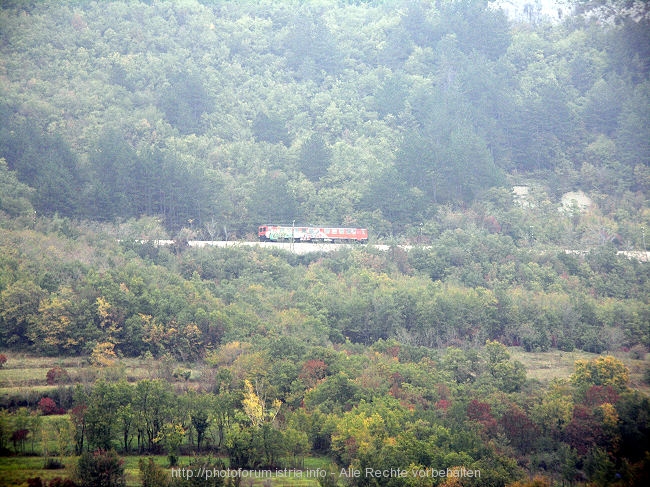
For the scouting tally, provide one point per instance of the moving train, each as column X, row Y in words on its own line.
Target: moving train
column 291, row 233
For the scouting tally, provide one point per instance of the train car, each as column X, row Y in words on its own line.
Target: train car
column 289, row 233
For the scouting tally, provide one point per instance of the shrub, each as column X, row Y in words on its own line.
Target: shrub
column 181, row 373
column 53, row 464
column 206, row 464
column 100, row 468
column 57, row 375
column 48, row 406
column 152, row 475
column 3, row 360
column 638, row 352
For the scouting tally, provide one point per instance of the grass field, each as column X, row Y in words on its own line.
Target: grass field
column 546, row 366
column 556, row 364
column 15, row 471
column 27, row 371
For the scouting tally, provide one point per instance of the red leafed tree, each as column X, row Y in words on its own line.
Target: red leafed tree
column 313, row 371
column 481, row 412
column 598, row 395
column 443, row 405
column 584, row 431
column 78, row 418
column 519, row 429
column 48, row 406
column 18, row 437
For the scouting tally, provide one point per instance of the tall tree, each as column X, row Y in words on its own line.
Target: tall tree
column 45, row 162
column 185, row 101
column 14, row 195
column 315, row 157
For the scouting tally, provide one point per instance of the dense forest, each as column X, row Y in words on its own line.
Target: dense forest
column 125, row 122
column 225, row 115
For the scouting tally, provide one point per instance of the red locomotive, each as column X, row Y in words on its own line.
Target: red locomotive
column 283, row 233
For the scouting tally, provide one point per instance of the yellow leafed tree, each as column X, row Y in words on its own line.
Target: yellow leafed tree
column 601, row 371
column 255, row 408
column 103, row 355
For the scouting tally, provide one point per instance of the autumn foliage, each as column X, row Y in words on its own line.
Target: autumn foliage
column 48, row 406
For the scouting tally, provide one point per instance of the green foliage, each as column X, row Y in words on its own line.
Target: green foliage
column 206, row 119
column 184, row 121
column 152, row 475
column 171, row 437
column 509, row 376
column 101, row 469
column 184, row 102
column 315, row 157
column 335, row 393
column 15, row 200
column 270, row 129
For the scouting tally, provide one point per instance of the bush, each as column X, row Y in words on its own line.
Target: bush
column 48, row 406
column 3, row 360
column 198, row 481
column 152, row 475
column 57, row 375
column 638, row 352
column 181, row 373
column 101, row 468
column 646, row 375
column 53, row 464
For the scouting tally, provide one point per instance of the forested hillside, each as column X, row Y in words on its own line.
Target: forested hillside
column 509, row 338
column 377, row 114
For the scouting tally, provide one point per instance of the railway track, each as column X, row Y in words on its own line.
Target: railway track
column 296, row 247
column 307, row 247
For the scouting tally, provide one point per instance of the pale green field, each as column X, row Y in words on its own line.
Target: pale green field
column 28, row 371
column 556, row 364
column 14, row 471
column 546, row 366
